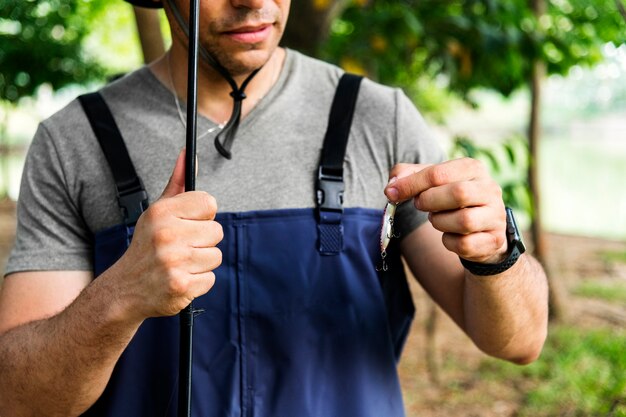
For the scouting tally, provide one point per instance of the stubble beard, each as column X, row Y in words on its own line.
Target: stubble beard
column 255, row 58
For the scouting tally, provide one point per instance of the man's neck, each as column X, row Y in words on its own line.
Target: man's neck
column 214, row 99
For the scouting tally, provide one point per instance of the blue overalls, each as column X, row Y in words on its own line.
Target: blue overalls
column 298, row 324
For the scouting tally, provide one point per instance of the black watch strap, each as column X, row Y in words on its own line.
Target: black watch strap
column 481, row 269
column 515, row 250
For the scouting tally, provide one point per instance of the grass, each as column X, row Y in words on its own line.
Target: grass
column 614, row 257
column 580, row 373
column 612, row 292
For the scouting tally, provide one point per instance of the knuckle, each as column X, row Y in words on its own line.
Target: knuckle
column 497, row 194
column 210, row 280
column 172, row 309
column 496, row 190
column 438, row 175
column 217, row 258
column 218, row 231
column 450, row 242
column 466, row 221
column 156, row 211
column 502, row 214
column 465, row 247
column 170, row 260
column 418, row 201
column 177, row 287
column 460, row 194
column 476, row 165
column 424, row 200
column 163, row 236
column 398, row 169
column 499, row 239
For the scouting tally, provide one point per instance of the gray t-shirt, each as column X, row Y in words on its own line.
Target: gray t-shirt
column 67, row 193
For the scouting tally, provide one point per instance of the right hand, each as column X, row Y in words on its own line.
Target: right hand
column 173, row 251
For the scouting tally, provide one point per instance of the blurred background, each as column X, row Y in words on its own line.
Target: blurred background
column 534, row 88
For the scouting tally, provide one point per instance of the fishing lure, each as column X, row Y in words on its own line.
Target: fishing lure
column 386, row 233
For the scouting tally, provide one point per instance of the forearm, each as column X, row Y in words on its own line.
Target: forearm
column 59, row 366
column 506, row 314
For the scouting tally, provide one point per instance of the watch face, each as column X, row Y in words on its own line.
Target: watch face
column 513, row 234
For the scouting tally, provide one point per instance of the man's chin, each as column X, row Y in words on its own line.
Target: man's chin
column 243, row 63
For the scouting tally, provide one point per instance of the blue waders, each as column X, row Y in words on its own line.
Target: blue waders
column 298, row 323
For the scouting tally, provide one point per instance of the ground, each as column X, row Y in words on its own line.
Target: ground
column 7, row 229
column 461, row 388
column 452, row 381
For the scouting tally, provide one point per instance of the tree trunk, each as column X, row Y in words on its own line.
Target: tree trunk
column 534, row 135
column 4, row 151
column 150, row 35
column 310, row 23
column 430, row 353
column 621, row 8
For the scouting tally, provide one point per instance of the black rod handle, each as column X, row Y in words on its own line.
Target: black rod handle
column 187, row 315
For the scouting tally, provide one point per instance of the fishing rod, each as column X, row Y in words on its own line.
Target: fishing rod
column 187, row 315
column 238, row 95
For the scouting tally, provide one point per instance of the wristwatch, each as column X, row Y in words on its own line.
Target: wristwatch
column 515, row 249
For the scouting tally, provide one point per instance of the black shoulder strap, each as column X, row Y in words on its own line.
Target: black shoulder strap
column 339, row 124
column 329, row 185
column 132, row 197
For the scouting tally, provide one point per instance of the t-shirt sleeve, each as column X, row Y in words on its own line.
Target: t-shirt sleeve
column 417, row 144
column 51, row 234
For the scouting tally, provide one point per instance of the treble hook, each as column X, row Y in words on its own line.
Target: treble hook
column 386, row 233
column 383, row 266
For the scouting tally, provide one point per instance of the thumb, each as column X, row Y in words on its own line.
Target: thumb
column 402, row 182
column 176, row 184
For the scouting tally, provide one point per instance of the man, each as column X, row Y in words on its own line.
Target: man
column 290, row 327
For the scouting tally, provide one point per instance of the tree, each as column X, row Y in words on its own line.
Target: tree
column 150, row 34
column 502, row 46
column 41, row 42
column 314, row 19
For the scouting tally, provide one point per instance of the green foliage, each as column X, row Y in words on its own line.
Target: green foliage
column 116, row 45
column 574, row 31
column 508, row 163
column 41, row 42
column 477, row 43
column 580, row 373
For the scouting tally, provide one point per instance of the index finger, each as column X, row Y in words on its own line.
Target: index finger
column 424, row 177
column 193, row 205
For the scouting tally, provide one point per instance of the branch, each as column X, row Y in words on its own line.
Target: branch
column 620, row 8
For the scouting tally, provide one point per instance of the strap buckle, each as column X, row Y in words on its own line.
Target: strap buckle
column 132, row 205
column 329, row 192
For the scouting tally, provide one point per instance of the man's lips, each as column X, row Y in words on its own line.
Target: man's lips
column 250, row 34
